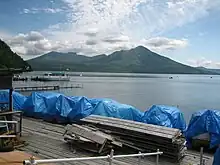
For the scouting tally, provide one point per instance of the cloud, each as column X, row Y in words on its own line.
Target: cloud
column 91, row 42
column 203, row 62
column 91, row 32
column 104, row 26
column 125, row 23
column 162, row 43
column 33, row 43
column 113, row 39
column 40, row 10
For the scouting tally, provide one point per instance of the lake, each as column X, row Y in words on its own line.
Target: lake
column 189, row 92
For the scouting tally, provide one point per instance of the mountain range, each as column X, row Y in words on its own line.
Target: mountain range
column 217, row 71
column 136, row 60
column 9, row 59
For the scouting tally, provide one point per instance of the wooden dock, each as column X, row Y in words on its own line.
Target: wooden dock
column 46, row 141
column 46, row 88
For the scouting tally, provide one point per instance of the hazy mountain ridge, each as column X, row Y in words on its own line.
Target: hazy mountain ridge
column 217, row 71
column 136, row 60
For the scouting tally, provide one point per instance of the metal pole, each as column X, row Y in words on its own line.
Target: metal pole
column 31, row 162
column 139, row 158
column 203, row 161
column 157, row 159
column 11, row 99
column 201, row 155
column 111, row 157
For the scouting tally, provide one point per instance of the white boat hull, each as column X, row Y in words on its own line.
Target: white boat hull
column 55, row 78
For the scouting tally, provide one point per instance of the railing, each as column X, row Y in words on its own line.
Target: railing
column 110, row 158
column 8, row 122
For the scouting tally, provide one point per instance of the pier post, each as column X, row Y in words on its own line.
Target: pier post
column 201, row 156
column 110, row 159
column 157, row 159
column 139, row 158
column 11, row 99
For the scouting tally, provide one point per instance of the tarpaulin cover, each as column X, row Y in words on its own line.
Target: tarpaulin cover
column 165, row 116
column 205, row 121
column 111, row 108
column 56, row 107
column 18, row 99
column 216, row 160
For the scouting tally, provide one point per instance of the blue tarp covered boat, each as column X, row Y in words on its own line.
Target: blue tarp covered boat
column 165, row 116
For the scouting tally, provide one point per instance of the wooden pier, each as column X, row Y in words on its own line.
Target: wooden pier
column 46, row 88
column 46, row 141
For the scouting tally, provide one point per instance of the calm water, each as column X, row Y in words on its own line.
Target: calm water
column 189, row 92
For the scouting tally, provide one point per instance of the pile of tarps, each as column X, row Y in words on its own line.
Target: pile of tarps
column 165, row 116
column 18, row 99
column 205, row 121
column 57, row 107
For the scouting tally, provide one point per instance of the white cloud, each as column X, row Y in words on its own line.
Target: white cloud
column 112, row 39
column 103, row 26
column 33, row 43
column 40, row 10
column 203, row 62
column 162, row 43
column 109, row 24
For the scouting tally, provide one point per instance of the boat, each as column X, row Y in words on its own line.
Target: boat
column 60, row 76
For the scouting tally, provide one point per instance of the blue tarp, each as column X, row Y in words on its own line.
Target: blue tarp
column 81, row 109
column 165, row 116
column 216, row 160
column 18, row 99
column 60, row 108
column 111, row 108
column 57, row 107
column 205, row 121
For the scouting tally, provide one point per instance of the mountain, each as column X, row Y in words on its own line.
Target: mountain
column 136, row 60
column 9, row 59
column 216, row 71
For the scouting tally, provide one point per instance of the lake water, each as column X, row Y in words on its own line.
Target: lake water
column 189, row 92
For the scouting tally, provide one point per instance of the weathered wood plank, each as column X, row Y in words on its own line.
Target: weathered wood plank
column 86, row 133
column 130, row 128
column 151, row 127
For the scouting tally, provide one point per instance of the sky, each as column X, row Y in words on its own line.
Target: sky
column 187, row 31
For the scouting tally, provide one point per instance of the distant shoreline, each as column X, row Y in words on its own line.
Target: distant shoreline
column 129, row 75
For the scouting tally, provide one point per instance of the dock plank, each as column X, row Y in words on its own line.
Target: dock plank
column 130, row 128
column 48, row 139
column 151, row 127
column 135, row 125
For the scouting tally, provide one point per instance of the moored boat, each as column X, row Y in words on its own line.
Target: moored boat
column 60, row 76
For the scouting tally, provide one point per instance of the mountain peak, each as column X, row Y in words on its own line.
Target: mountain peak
column 142, row 48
